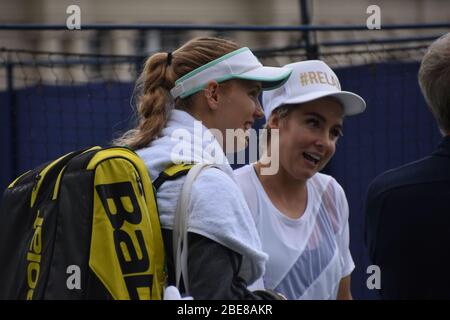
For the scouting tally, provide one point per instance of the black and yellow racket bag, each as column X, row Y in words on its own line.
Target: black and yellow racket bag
column 84, row 226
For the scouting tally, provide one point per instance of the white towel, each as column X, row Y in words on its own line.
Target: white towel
column 217, row 207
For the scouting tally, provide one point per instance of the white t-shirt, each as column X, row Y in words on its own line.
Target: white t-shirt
column 308, row 256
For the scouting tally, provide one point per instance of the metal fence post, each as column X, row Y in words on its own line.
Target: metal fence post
column 312, row 50
column 12, row 123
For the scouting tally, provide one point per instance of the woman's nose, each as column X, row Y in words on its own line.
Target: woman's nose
column 324, row 141
column 259, row 112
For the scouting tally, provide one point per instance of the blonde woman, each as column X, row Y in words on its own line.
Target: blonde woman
column 189, row 98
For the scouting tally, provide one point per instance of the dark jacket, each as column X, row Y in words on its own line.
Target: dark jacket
column 213, row 271
column 408, row 227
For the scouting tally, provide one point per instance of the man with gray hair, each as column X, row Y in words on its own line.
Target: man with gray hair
column 408, row 208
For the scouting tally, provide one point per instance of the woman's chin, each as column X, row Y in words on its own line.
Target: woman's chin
column 304, row 174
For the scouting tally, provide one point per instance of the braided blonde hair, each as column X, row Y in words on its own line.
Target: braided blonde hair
column 156, row 80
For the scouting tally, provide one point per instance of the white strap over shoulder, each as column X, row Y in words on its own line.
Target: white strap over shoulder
column 180, row 241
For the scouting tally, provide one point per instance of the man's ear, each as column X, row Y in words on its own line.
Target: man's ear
column 211, row 94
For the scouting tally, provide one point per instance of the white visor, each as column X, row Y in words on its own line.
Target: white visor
column 239, row 64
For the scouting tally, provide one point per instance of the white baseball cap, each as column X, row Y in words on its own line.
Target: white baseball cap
column 311, row 80
column 239, row 64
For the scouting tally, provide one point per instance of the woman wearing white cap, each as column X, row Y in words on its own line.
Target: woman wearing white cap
column 213, row 81
column 301, row 214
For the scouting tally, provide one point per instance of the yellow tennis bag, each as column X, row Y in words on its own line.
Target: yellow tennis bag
column 84, row 226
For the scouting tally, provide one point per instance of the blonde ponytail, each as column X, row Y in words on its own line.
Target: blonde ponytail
column 158, row 77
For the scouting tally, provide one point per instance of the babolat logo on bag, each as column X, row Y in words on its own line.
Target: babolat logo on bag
column 121, row 207
column 92, row 212
column 34, row 256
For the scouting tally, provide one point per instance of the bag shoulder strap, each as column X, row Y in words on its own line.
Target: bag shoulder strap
column 180, row 240
column 172, row 172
